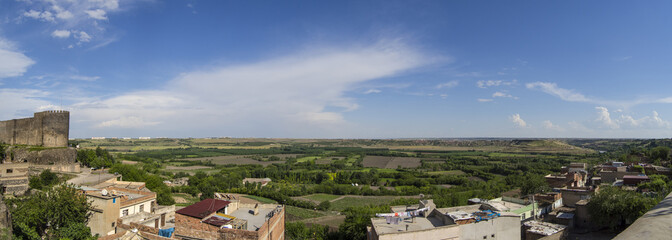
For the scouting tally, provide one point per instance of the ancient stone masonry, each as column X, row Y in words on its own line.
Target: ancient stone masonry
column 48, row 129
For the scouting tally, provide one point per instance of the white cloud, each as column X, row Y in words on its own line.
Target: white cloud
column 605, row 118
column 60, row 34
column 450, row 84
column 77, row 15
column 553, row 89
column 84, row 78
column 653, row 121
column 547, row 124
column 372, row 91
column 127, row 122
column 517, row 120
column 83, row 37
column 97, row 14
column 19, row 103
column 626, row 121
column 484, row 100
column 494, row 83
column 503, row 94
column 61, row 13
column 302, row 94
column 39, row 15
column 12, row 62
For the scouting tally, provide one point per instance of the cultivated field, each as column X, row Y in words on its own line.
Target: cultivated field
column 235, row 159
column 391, row 162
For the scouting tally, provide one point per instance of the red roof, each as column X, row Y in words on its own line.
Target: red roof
column 203, row 208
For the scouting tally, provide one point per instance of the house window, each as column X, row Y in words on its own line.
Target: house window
column 124, row 213
column 112, row 224
column 10, row 170
column 142, row 207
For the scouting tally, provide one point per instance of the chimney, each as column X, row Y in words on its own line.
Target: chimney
column 256, row 209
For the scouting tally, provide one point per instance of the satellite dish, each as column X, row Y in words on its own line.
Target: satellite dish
column 104, row 192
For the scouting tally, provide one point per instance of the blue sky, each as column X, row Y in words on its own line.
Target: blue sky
column 341, row 69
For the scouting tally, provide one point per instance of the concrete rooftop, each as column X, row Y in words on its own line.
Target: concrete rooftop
column 253, row 222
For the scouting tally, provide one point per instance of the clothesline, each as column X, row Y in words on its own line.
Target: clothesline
column 402, row 214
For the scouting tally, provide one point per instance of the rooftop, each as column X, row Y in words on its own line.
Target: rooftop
column 543, row 228
column 254, row 222
column 203, row 208
column 426, row 222
column 459, row 215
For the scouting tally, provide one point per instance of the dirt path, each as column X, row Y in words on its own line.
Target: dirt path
column 341, row 197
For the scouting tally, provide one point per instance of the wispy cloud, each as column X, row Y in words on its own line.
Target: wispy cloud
column 494, row 83
column 484, row 100
column 372, row 91
column 61, row 34
column 547, row 124
column 13, row 62
column 282, row 93
column 553, row 89
column 84, row 78
column 450, row 84
column 503, row 94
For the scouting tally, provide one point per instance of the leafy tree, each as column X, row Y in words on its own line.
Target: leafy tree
column 324, row 205
column 45, row 180
column 659, row 153
column 153, row 182
column 61, row 212
column 614, row 207
column 95, row 158
column 298, row 230
column 657, row 184
column 533, row 183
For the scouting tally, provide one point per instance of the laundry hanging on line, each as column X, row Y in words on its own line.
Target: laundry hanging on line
column 405, row 214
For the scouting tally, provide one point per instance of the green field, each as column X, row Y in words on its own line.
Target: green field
column 321, row 197
column 361, row 201
column 306, row 159
column 450, row 172
column 297, row 214
column 190, row 200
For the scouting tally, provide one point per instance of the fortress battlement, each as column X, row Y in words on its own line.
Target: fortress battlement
column 48, row 128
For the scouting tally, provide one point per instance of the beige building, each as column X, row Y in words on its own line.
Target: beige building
column 117, row 202
column 14, row 178
column 464, row 222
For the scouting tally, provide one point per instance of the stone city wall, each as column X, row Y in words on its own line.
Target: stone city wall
column 48, row 129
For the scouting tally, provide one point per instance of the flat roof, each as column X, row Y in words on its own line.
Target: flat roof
column 459, row 215
column 543, row 228
column 416, row 224
column 254, row 222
